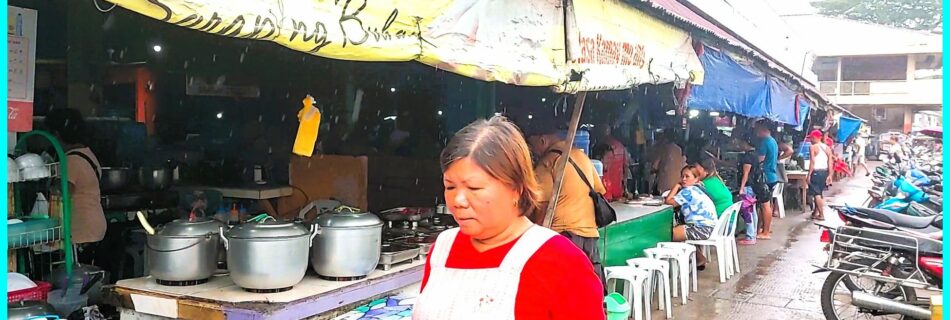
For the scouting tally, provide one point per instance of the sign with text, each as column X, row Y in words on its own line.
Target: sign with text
column 21, row 68
column 516, row 42
column 619, row 47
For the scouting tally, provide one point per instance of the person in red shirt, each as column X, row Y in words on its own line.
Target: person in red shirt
column 498, row 264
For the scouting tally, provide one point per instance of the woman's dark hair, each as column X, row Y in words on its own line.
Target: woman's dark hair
column 67, row 124
column 498, row 147
column 693, row 169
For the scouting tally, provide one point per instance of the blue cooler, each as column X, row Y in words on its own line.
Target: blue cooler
column 581, row 140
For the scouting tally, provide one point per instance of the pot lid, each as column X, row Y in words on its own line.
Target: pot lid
column 347, row 220
column 183, row 227
column 268, row 229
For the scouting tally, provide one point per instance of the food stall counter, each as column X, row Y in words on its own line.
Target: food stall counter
column 220, row 298
column 638, row 227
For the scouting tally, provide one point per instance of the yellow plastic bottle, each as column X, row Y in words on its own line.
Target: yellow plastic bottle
column 309, row 117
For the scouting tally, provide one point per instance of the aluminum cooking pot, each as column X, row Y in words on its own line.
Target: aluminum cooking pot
column 184, row 250
column 31, row 310
column 348, row 244
column 268, row 254
column 114, row 178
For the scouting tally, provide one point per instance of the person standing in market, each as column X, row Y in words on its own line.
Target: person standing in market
column 498, row 264
column 667, row 162
column 768, row 153
column 819, row 178
column 83, row 173
column 615, row 158
column 860, row 157
column 574, row 214
column 752, row 187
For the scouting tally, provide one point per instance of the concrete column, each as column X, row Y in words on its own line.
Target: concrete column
column 908, row 119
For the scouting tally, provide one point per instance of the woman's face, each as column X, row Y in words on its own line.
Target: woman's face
column 688, row 178
column 482, row 205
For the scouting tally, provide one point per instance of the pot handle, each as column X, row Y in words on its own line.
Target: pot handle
column 314, row 231
column 223, row 238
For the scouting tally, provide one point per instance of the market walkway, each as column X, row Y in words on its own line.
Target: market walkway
column 776, row 280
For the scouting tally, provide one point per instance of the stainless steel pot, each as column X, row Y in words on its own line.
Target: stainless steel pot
column 184, row 250
column 155, row 178
column 30, row 310
column 268, row 254
column 348, row 244
column 114, row 178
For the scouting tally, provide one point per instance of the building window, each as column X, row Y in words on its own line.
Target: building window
column 880, row 114
column 826, row 68
column 928, row 66
column 874, row 68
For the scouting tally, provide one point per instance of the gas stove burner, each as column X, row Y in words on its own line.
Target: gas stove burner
column 341, row 278
column 268, row 290
column 181, row 283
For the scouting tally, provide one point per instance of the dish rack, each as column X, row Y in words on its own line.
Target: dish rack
column 50, row 233
column 33, row 238
column 27, row 174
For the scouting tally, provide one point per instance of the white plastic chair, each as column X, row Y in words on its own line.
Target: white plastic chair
column 679, row 261
column 722, row 234
column 779, row 196
column 633, row 288
column 660, row 270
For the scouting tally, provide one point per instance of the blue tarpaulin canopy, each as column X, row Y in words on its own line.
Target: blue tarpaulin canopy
column 729, row 86
column 803, row 108
column 847, row 127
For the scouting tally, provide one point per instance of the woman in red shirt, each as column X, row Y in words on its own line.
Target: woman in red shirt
column 498, row 264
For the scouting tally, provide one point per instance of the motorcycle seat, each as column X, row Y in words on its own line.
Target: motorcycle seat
column 897, row 219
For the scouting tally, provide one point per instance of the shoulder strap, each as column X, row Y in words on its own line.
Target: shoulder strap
column 91, row 163
column 580, row 173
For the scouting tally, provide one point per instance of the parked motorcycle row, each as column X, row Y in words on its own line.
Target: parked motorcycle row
column 887, row 260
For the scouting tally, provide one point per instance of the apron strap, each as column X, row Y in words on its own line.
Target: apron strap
column 527, row 245
column 443, row 245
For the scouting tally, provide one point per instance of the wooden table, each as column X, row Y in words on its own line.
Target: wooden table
column 800, row 177
column 219, row 298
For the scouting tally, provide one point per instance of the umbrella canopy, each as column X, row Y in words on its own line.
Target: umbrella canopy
column 936, row 132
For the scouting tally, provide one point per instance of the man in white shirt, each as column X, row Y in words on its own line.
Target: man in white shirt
column 860, row 159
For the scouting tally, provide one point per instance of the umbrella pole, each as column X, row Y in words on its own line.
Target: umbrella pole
column 561, row 163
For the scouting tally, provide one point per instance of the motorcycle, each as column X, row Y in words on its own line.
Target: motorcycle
column 889, row 220
column 875, row 272
column 900, row 194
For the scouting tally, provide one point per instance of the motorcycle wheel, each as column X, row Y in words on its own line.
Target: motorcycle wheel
column 840, row 285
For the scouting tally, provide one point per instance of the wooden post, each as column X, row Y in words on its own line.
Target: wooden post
column 561, row 163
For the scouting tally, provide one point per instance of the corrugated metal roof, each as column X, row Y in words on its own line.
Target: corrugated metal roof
column 684, row 14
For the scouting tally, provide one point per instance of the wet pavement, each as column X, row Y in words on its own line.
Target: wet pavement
column 776, row 279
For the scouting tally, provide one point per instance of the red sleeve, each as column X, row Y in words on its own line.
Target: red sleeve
column 425, row 275
column 560, row 277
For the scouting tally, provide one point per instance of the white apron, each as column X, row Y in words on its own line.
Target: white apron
column 476, row 293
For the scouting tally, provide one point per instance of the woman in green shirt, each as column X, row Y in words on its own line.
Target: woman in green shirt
column 715, row 187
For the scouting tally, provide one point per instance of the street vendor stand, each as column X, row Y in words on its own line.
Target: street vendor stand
column 638, row 227
column 220, row 298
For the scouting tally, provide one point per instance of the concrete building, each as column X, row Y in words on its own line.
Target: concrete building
column 889, row 76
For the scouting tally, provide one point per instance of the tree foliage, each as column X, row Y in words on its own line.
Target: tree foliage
column 910, row 14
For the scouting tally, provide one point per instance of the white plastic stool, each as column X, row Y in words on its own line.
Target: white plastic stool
column 689, row 249
column 779, row 196
column 679, row 268
column 633, row 290
column 661, row 271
